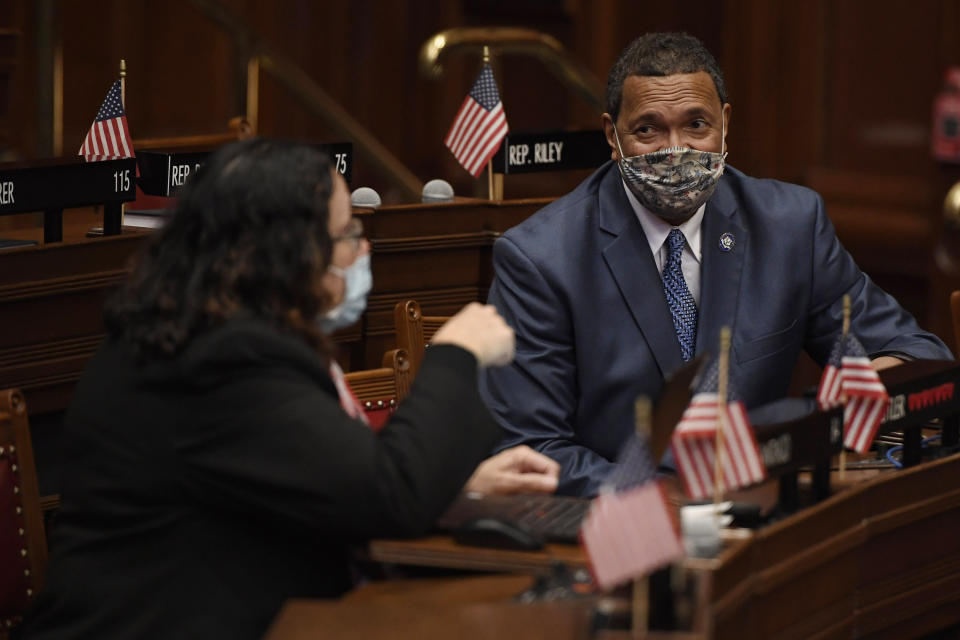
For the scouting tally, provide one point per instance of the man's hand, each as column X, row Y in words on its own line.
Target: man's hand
column 885, row 362
column 515, row 470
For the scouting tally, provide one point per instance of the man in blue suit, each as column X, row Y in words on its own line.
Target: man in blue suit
column 616, row 284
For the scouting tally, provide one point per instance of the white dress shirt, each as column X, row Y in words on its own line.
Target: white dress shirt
column 657, row 231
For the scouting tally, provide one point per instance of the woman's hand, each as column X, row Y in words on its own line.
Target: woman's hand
column 515, row 470
column 478, row 328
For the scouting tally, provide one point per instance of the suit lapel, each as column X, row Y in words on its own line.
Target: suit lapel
column 635, row 273
column 720, row 270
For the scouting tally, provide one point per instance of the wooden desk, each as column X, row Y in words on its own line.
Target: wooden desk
column 51, row 313
column 879, row 558
column 51, row 295
column 462, row 608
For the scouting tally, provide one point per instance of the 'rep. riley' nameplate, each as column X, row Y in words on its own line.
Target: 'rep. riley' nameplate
column 551, row 151
column 62, row 183
column 162, row 173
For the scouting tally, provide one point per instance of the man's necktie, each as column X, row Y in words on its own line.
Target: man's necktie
column 682, row 307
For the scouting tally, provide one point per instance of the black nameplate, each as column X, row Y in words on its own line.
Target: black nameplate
column 62, row 183
column 341, row 157
column 787, row 446
column 919, row 392
column 162, row 173
column 551, row 151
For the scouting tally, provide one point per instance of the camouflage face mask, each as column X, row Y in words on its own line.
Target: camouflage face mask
column 672, row 183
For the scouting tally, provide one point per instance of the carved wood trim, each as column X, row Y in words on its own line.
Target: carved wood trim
column 40, row 382
column 434, row 243
column 51, row 502
column 908, row 603
column 911, row 513
column 61, row 286
column 33, row 354
column 430, row 299
column 919, row 578
column 818, row 554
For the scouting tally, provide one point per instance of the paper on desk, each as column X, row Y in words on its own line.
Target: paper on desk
column 701, row 527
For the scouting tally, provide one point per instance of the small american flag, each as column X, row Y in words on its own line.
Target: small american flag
column 628, row 534
column 849, row 374
column 694, row 443
column 480, row 125
column 109, row 137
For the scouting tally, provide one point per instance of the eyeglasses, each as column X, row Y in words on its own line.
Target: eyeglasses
column 352, row 234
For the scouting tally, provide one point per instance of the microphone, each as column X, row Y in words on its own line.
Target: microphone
column 365, row 197
column 437, row 191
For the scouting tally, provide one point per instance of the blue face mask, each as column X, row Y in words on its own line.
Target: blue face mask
column 358, row 280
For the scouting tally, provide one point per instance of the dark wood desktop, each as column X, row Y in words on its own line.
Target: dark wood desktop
column 464, row 608
column 879, row 558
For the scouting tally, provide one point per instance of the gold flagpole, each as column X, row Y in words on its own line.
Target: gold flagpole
column 123, row 103
column 490, row 179
column 641, row 586
column 486, row 61
column 641, row 607
column 843, row 396
column 722, row 379
column 123, row 83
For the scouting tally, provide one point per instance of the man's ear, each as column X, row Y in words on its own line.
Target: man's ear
column 607, row 122
column 727, row 110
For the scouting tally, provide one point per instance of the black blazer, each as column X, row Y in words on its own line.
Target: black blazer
column 202, row 492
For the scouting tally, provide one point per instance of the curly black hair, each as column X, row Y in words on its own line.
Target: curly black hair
column 249, row 237
column 661, row 54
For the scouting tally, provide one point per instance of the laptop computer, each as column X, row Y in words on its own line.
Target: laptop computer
column 552, row 518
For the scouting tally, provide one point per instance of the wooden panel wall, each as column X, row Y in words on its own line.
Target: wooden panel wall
column 836, row 95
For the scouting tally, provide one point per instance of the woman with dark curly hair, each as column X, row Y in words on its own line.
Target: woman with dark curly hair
column 213, row 472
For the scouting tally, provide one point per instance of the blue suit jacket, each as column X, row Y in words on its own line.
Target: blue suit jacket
column 579, row 285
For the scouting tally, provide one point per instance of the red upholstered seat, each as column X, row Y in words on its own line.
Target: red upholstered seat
column 379, row 391
column 23, row 549
column 379, row 411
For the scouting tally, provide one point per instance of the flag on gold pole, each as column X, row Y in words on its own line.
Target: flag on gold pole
column 850, row 379
column 480, row 125
column 629, row 530
column 704, row 472
column 109, row 135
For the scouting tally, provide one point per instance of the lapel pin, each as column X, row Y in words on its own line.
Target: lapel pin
column 727, row 241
